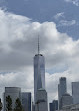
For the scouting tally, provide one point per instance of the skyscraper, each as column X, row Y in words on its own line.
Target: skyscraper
column 39, row 72
column 26, row 101
column 75, row 92
column 62, row 89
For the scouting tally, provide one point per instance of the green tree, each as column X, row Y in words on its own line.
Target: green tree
column 8, row 103
column 18, row 105
column 1, row 105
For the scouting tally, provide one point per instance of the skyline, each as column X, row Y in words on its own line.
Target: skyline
column 18, row 47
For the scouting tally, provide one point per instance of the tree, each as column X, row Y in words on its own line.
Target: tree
column 8, row 103
column 18, row 105
column 1, row 105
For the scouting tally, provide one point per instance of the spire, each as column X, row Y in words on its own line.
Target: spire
column 38, row 45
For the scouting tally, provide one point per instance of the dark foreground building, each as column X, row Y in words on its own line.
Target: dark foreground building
column 54, row 105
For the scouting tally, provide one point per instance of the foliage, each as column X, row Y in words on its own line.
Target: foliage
column 18, row 106
column 1, row 105
column 8, row 103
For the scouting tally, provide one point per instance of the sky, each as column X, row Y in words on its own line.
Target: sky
column 57, row 24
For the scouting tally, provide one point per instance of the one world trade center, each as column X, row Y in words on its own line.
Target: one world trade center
column 39, row 72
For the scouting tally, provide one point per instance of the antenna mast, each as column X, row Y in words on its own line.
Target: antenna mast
column 38, row 45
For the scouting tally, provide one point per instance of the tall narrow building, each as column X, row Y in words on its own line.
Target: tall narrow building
column 26, row 101
column 62, row 89
column 75, row 92
column 39, row 72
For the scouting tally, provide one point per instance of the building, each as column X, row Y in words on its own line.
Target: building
column 66, row 99
column 33, row 106
column 62, row 89
column 54, row 105
column 73, row 107
column 75, row 92
column 26, row 101
column 41, row 100
column 14, row 93
column 39, row 73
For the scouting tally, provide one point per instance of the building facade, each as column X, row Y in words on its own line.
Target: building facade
column 66, row 99
column 41, row 100
column 14, row 93
column 62, row 89
column 75, row 92
column 54, row 105
column 73, row 107
column 39, row 73
column 26, row 101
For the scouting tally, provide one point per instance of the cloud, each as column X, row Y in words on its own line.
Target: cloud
column 18, row 45
column 59, row 15
column 75, row 2
column 67, row 23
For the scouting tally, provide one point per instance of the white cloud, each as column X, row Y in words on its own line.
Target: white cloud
column 18, row 45
column 75, row 2
column 59, row 15
column 67, row 23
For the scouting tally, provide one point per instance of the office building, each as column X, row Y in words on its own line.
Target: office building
column 62, row 89
column 54, row 105
column 26, row 101
column 41, row 100
column 73, row 107
column 39, row 72
column 33, row 106
column 66, row 99
column 14, row 93
column 75, row 92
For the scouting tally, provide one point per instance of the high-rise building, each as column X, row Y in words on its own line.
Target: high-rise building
column 75, row 92
column 39, row 72
column 54, row 105
column 66, row 99
column 41, row 100
column 14, row 93
column 62, row 89
column 26, row 101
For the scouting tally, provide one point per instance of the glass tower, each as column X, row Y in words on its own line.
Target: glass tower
column 75, row 92
column 26, row 101
column 39, row 73
column 62, row 89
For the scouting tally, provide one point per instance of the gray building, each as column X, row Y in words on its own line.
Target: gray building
column 62, row 89
column 41, row 100
column 75, row 92
column 39, row 73
column 73, row 107
column 14, row 93
column 66, row 99
column 26, row 101
column 54, row 105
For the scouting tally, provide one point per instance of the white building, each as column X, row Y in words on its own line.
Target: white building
column 14, row 93
column 41, row 100
column 75, row 92
column 39, row 73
